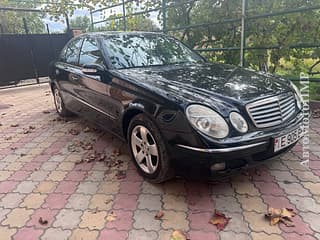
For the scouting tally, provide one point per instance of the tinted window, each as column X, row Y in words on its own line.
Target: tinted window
column 139, row 50
column 90, row 53
column 72, row 52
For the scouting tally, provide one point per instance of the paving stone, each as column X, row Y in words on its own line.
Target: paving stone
column 87, row 187
column 11, row 200
column 56, row 201
column 4, row 175
column 26, row 186
column 314, row 188
column 200, row 202
column 39, row 175
column 78, row 201
column 130, row 187
column 142, row 235
column 305, row 204
column 174, row 220
column 46, row 187
column 249, row 203
column 300, row 226
column 3, row 213
column 245, row 188
column 231, row 235
column 123, row 220
column 141, row 217
column 101, row 202
column 67, row 219
column 65, row 166
column 199, row 235
column 95, row 176
column 226, row 204
column 14, row 166
column 295, row 236
column 28, row 234
column 174, row 202
column 258, row 223
column 33, row 200
column 294, row 189
column 306, row 176
column 199, row 220
column 150, row 188
column 276, row 201
column 125, row 202
column 49, row 166
column 56, row 176
column 66, row 187
column 237, row 223
column 17, row 217
column 109, row 187
column 222, row 189
column 150, row 202
column 269, row 188
column 56, row 233
column 113, row 234
column 283, row 176
column 93, row 220
column 164, row 234
column 313, row 219
column 84, row 234
column 264, row 236
column 45, row 214
column 6, row 232
column 175, row 187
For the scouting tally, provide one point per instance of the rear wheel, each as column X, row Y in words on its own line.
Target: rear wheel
column 148, row 150
column 58, row 102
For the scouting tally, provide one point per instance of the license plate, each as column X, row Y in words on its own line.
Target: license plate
column 288, row 139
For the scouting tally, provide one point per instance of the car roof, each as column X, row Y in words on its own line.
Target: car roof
column 118, row 33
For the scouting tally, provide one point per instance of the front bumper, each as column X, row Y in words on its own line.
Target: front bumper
column 233, row 156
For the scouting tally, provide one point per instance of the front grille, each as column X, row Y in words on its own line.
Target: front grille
column 272, row 111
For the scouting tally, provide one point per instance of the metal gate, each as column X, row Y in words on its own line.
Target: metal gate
column 28, row 56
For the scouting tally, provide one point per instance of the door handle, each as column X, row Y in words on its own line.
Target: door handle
column 74, row 78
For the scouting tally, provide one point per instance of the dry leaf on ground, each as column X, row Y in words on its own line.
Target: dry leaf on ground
column 42, row 222
column 74, row 131
column 283, row 215
column 121, row 175
column 111, row 217
column 219, row 220
column 159, row 215
column 46, row 112
column 178, row 235
column 87, row 129
column 14, row 125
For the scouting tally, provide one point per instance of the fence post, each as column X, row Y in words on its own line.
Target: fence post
column 124, row 15
column 243, row 33
column 31, row 51
column 91, row 18
column 164, row 15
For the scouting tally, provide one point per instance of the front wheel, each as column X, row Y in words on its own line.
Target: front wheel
column 148, row 150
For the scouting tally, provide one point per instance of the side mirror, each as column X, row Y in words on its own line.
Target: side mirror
column 93, row 69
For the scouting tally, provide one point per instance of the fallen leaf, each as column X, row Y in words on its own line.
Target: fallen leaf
column 86, row 129
column 74, row 131
column 116, row 152
column 32, row 127
column 42, row 222
column 283, row 215
column 178, row 235
column 87, row 146
column 111, row 217
column 8, row 138
column 159, row 215
column 219, row 220
column 23, row 154
column 46, row 112
column 26, row 131
column 13, row 148
column 14, row 125
column 0, row 124
column 121, row 175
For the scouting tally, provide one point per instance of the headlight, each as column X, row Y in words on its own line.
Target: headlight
column 238, row 122
column 207, row 121
column 298, row 95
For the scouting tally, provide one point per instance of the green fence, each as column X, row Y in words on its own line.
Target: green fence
column 245, row 18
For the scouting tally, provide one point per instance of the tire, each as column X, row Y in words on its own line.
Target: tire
column 59, row 104
column 148, row 150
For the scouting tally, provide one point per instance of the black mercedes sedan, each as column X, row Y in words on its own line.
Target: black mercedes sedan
column 179, row 113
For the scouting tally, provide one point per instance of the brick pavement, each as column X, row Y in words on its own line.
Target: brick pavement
column 40, row 178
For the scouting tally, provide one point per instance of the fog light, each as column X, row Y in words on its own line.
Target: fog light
column 218, row 166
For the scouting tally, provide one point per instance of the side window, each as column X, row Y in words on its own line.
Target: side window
column 90, row 53
column 72, row 52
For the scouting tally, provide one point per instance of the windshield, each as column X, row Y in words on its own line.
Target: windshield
column 142, row 50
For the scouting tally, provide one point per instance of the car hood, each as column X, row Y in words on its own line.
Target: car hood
column 207, row 82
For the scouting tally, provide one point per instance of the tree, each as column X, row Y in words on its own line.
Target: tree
column 81, row 22
column 12, row 22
